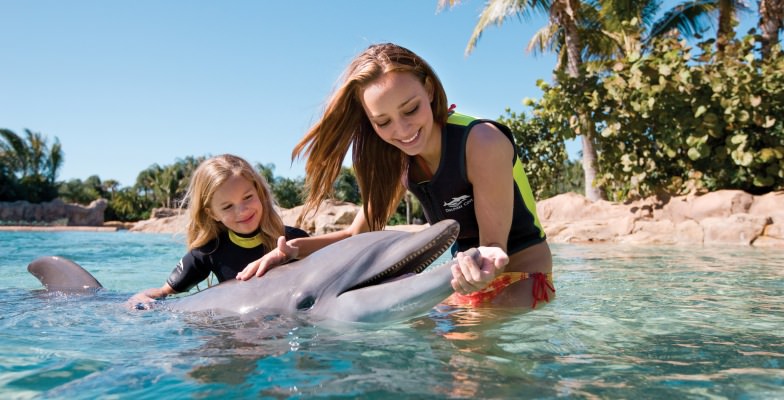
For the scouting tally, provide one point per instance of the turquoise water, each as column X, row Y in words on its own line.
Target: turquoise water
column 629, row 322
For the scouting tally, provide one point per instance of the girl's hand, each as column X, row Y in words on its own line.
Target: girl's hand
column 140, row 301
column 468, row 276
column 283, row 253
column 144, row 299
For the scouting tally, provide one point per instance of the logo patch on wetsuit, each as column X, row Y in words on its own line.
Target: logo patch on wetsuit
column 457, row 203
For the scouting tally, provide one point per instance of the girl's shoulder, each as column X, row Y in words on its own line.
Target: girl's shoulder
column 209, row 247
column 294, row 233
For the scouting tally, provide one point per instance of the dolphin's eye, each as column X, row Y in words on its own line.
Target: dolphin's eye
column 306, row 303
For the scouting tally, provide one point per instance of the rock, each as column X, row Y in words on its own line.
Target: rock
column 119, row 224
column 331, row 216
column 725, row 217
column 722, row 217
column 175, row 224
column 164, row 212
column 55, row 212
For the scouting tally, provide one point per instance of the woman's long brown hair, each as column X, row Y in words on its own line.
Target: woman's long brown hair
column 378, row 165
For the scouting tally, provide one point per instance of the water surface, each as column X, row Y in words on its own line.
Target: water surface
column 644, row 322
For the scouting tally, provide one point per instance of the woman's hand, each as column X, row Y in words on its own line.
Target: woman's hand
column 283, row 253
column 468, row 275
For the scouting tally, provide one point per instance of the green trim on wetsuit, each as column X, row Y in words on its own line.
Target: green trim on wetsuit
column 517, row 170
column 525, row 190
column 245, row 242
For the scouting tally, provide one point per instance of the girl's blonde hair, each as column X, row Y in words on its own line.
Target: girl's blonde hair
column 379, row 166
column 206, row 180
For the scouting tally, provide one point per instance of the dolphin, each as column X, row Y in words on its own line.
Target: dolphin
column 373, row 277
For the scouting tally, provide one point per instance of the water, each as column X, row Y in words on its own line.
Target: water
column 629, row 322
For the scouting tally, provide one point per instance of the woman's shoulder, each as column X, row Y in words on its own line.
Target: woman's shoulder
column 488, row 137
column 480, row 128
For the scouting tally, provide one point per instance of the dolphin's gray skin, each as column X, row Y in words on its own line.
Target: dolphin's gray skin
column 371, row 277
column 60, row 274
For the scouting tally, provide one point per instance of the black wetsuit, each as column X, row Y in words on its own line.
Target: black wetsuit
column 449, row 194
column 225, row 256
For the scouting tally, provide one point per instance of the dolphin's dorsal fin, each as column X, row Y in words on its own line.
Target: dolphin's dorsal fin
column 62, row 275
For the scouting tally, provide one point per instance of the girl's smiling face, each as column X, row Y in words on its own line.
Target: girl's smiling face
column 236, row 204
column 398, row 106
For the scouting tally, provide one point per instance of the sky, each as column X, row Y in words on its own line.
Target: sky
column 125, row 85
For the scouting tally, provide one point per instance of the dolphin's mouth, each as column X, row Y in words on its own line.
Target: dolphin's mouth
column 415, row 262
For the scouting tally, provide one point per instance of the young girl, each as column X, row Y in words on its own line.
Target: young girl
column 231, row 223
column 393, row 110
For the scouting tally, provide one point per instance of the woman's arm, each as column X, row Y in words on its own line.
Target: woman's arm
column 311, row 244
column 489, row 156
column 300, row 248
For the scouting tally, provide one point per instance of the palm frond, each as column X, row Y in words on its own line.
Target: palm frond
column 497, row 11
column 691, row 18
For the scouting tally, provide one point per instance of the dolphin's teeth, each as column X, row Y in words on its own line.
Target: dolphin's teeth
column 415, row 262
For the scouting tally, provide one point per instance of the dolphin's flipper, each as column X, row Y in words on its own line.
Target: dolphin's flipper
column 62, row 275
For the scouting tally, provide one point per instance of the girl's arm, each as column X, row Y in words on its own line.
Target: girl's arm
column 145, row 297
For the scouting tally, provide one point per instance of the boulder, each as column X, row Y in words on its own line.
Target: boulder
column 55, row 212
column 724, row 217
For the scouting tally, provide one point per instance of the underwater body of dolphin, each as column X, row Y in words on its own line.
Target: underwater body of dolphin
column 371, row 277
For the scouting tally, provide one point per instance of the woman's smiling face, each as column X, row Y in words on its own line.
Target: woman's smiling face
column 398, row 106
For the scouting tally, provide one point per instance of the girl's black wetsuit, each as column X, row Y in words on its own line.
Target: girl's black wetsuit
column 225, row 256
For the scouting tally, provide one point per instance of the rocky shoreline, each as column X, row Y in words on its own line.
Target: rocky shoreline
column 725, row 217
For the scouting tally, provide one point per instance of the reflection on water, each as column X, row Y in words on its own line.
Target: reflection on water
column 647, row 322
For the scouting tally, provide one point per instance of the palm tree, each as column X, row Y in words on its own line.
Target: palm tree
column 31, row 156
column 565, row 14
column 110, row 186
column 13, row 151
column 54, row 161
column 33, row 162
column 771, row 21
column 690, row 17
column 601, row 30
column 145, row 180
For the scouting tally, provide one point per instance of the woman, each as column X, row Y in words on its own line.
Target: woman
column 392, row 108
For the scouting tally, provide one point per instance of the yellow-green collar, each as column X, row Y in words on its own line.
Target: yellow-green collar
column 245, row 242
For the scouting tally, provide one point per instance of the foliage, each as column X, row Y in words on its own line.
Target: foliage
column 542, row 153
column 127, row 204
column 165, row 186
column 8, row 184
column 409, row 211
column 29, row 166
column 346, row 187
column 76, row 191
column 670, row 121
column 287, row 192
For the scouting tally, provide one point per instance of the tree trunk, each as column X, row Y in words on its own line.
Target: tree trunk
column 408, row 207
column 592, row 192
column 725, row 31
column 771, row 18
column 564, row 14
